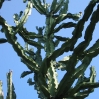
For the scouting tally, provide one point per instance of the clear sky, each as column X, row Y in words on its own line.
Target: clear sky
column 10, row 60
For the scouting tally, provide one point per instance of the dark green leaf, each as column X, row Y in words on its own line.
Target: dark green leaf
column 30, row 82
column 2, row 40
column 34, row 44
column 25, row 73
column 1, row 3
column 61, row 38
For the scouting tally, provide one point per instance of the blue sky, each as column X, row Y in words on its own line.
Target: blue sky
column 10, row 60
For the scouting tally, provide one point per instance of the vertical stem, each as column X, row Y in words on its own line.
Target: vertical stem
column 1, row 91
column 9, row 85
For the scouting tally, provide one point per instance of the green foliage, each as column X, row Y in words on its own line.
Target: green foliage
column 1, row 3
column 1, row 91
column 45, row 70
column 10, row 88
column 25, row 73
column 2, row 40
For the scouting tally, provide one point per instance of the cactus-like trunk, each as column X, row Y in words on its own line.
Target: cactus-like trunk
column 45, row 70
